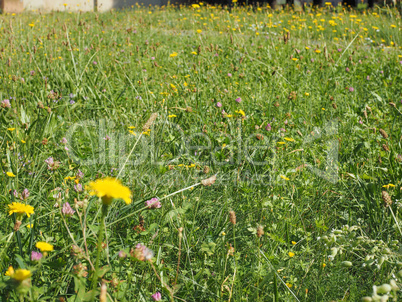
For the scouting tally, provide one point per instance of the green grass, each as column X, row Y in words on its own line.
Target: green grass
column 91, row 78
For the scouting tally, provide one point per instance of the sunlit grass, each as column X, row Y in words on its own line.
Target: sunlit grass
column 296, row 113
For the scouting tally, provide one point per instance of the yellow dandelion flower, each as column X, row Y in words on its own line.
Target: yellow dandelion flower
column 20, row 209
column 293, row 242
column 324, row 265
column 199, row 31
column 172, row 115
column 195, row 6
column 285, row 178
column 10, row 271
column 307, row 94
column 393, row 26
column 281, row 143
column 31, row 25
column 289, row 139
column 131, row 127
column 174, row 54
column 295, row 59
column 22, row 141
column 10, row 129
column 108, row 189
column 241, row 112
column 194, row 53
column 288, row 284
column 44, row 246
column 21, row 274
column 10, row 174
column 318, row 51
column 69, row 178
column 291, row 254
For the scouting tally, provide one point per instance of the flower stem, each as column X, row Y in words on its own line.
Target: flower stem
column 163, row 283
column 130, row 275
column 98, row 250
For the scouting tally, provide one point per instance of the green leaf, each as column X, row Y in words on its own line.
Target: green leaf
column 208, row 248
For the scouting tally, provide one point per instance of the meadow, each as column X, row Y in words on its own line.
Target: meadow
column 201, row 153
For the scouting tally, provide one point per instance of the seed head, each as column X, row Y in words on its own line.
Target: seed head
column 386, row 198
column 260, row 231
column 208, row 181
column 232, row 217
column 150, row 121
column 385, row 147
column 383, row 133
column 17, row 225
column 334, row 106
